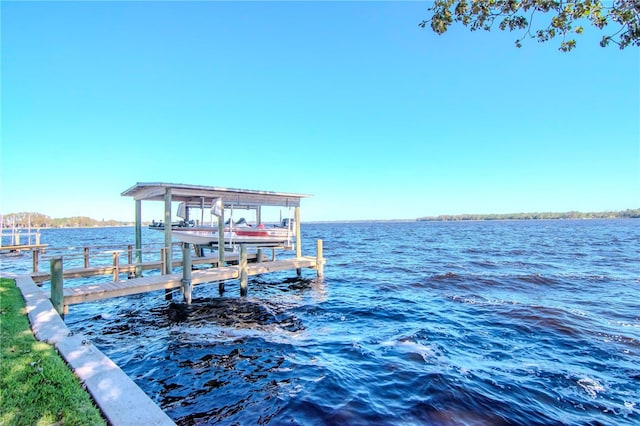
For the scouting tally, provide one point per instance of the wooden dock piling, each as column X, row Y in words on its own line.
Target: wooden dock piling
column 138, row 237
column 35, row 257
column 116, row 267
column 57, row 285
column 243, row 270
column 320, row 261
column 186, row 273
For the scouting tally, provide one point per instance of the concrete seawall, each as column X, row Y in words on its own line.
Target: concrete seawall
column 121, row 401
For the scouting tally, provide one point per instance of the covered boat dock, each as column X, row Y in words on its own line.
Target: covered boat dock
column 222, row 200
column 235, row 266
column 206, row 197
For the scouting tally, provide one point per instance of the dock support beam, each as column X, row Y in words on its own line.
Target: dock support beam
column 298, row 239
column 167, row 231
column 221, row 245
column 168, row 260
column 116, row 267
column 36, row 259
column 243, row 270
column 138, row 231
column 221, row 238
column 57, row 285
column 186, row 273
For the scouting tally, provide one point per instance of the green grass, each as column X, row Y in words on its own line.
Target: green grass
column 36, row 385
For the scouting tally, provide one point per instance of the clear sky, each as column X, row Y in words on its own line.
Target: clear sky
column 351, row 102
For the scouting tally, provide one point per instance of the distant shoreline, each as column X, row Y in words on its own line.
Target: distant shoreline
column 320, row 222
column 41, row 221
column 624, row 214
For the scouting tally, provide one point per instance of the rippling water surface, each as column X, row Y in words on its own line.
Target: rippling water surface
column 523, row 322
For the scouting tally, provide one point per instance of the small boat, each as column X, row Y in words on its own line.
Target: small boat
column 180, row 224
column 237, row 233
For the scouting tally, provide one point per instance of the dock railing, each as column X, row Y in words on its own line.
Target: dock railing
column 101, row 260
column 15, row 236
column 81, row 262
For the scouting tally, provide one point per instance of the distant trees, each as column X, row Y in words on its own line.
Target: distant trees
column 23, row 219
column 626, row 214
column 562, row 19
column 39, row 220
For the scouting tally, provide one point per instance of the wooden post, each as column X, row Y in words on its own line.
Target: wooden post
column 36, row 259
column 130, row 261
column 319, row 259
column 138, row 239
column 186, row 273
column 86, row 257
column 57, row 285
column 116, row 267
column 163, row 259
column 168, row 295
column 243, row 269
column 259, row 255
column 38, row 237
column 298, row 237
column 221, row 238
column 167, row 232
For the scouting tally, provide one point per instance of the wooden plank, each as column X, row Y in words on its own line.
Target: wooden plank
column 281, row 265
column 19, row 247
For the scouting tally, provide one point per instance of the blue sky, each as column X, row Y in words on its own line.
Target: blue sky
column 351, row 102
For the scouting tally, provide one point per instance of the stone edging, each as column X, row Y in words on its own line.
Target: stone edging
column 121, row 401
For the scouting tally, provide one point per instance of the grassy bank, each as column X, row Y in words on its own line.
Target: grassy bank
column 36, row 385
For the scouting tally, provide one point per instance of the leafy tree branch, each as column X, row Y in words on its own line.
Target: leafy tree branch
column 561, row 19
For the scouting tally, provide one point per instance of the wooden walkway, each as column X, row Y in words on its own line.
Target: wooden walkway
column 93, row 292
column 237, row 266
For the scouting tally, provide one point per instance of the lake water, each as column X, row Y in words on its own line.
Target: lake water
column 479, row 323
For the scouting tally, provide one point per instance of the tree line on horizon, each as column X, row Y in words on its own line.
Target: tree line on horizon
column 40, row 220
column 625, row 214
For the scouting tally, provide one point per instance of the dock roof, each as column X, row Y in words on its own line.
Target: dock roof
column 198, row 195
